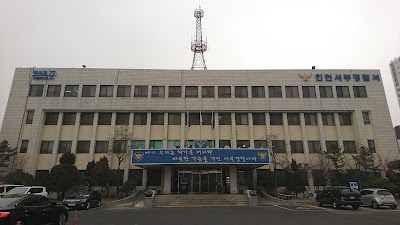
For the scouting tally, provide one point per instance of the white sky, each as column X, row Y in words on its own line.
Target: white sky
column 149, row 34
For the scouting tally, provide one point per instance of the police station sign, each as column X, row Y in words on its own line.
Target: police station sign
column 341, row 77
column 44, row 74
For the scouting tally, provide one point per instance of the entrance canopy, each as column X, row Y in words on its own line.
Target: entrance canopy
column 200, row 156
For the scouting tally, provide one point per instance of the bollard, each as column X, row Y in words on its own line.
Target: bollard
column 74, row 221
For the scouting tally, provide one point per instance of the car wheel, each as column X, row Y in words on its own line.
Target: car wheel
column 19, row 222
column 393, row 206
column 320, row 204
column 355, row 207
column 335, row 205
column 62, row 219
column 99, row 204
column 88, row 205
column 375, row 205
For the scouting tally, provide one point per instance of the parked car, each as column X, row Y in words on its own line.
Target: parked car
column 4, row 188
column 377, row 197
column 339, row 196
column 33, row 190
column 31, row 210
column 83, row 200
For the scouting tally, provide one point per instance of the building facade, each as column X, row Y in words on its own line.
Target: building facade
column 53, row 111
column 395, row 71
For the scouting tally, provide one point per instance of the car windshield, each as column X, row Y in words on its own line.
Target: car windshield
column 7, row 202
column 1, row 189
column 18, row 190
column 349, row 191
column 78, row 195
column 384, row 192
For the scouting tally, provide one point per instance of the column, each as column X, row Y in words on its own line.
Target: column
column 148, row 127
column 287, row 137
column 306, row 153
column 338, row 131
column 321, row 133
column 234, row 131
column 93, row 139
column 234, row 180
column 216, row 130
column 56, row 141
column 76, row 132
column 251, row 129
column 112, row 133
column 358, row 124
column 129, row 159
column 167, row 180
column 144, row 179
column 183, row 130
column 34, row 142
column 165, row 139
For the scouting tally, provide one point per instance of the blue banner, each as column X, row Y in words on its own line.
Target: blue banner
column 200, row 156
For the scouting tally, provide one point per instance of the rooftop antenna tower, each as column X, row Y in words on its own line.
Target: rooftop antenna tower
column 199, row 46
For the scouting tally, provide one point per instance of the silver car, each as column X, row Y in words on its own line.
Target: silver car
column 377, row 197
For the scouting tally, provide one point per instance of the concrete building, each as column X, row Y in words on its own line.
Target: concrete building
column 395, row 70
column 52, row 111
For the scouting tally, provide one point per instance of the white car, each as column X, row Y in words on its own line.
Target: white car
column 33, row 190
column 4, row 188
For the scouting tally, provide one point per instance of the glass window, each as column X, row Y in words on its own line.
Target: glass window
column 36, row 90
column 140, row 119
column 24, row 146
column 206, row 118
column 366, row 117
column 371, row 145
column 175, row 91
column 69, row 118
column 158, row 91
column 258, row 118
column 241, row 92
column 136, row 175
column 101, row 147
column 156, row 144
column 106, row 90
column 46, row 147
column 83, row 147
column 292, row 92
column 310, row 119
column 64, row 146
column 87, row 118
column 309, row 92
column 342, row 92
column 345, row 119
column 138, row 144
column 225, row 119
column 207, row 92
column 360, row 92
column 276, row 119
column 89, row 91
column 157, row 118
column 349, row 147
column 258, row 92
column 140, row 91
column 293, row 118
column 194, row 118
column 29, row 116
column 124, row 91
column 51, row 118
column 191, row 92
column 325, row 92
column 331, row 146
column 224, row 92
column 243, row 144
column 104, row 119
column 122, row 119
column 278, row 146
column 174, row 119
column 260, row 144
column 241, row 119
column 296, row 146
column 314, row 147
column 53, row 90
column 174, row 144
column 328, row 119
column 71, row 90
column 224, row 143
column 275, row 91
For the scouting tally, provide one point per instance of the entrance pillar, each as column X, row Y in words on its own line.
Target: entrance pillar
column 166, row 189
column 144, row 179
column 234, row 180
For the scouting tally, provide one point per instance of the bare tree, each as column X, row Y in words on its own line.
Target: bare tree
column 278, row 159
column 321, row 163
column 20, row 162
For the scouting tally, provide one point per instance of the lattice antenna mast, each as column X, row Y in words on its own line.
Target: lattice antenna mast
column 199, row 46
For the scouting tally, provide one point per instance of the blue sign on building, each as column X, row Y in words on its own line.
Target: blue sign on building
column 44, row 74
column 200, row 156
column 347, row 77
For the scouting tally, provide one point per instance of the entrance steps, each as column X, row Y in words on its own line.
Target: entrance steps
column 200, row 200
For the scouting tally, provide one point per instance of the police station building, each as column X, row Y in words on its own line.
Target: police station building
column 194, row 131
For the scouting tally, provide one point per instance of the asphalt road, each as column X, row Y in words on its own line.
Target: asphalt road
column 263, row 215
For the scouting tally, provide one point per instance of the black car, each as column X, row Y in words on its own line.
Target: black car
column 31, row 210
column 339, row 196
column 83, row 200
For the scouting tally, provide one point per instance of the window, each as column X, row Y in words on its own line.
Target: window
column 342, row 92
column 345, row 119
column 87, row 118
column 24, row 146
column 328, row 119
column 275, row 91
column 158, row 92
column 260, row 144
column 225, row 118
column 224, row 143
column 157, row 118
column 140, row 119
column 278, row 146
column 349, row 147
column 175, row 91
column 206, row 117
column 314, row 147
column 101, row 147
column 36, row 91
column 258, row 92
column 140, row 91
column 174, row 119
column 136, row 175
column 296, row 146
column 311, row 119
column 46, row 147
column 71, row 90
column 104, row 119
column 120, row 146
column 138, row 144
column 360, row 92
column 53, row 90
column 207, row 92
column 243, row 144
column 106, row 90
column 276, row 119
column 89, row 91
column 240, row 92
column 332, row 146
column 194, row 119
column 29, row 117
column 224, row 92
column 51, row 118
column 292, row 92
column 258, row 118
column 366, row 117
column 325, row 92
column 309, row 92
column 242, row 119
column 191, row 92
column 156, row 144
column 174, row 144
column 371, row 146
column 293, row 118
column 69, row 118
column 124, row 91
column 116, row 177
column 83, row 147
column 122, row 119
column 64, row 146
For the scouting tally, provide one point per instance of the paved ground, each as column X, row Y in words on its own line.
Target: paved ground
column 271, row 215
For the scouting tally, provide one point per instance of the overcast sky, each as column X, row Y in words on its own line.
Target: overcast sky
column 150, row 34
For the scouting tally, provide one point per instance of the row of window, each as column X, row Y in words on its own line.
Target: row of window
column 193, row 91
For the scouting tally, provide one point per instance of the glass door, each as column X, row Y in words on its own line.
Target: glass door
column 204, row 182
column 196, row 182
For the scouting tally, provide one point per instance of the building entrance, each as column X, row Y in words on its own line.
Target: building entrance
column 204, row 181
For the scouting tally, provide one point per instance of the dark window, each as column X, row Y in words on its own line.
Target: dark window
column 309, row 92
column 53, row 90
column 101, row 147
column 224, row 92
column 224, row 143
column 106, row 91
column 349, row 147
column 124, row 91
column 174, row 144
column 83, row 147
column 292, row 92
column 278, row 146
column 122, row 119
column 104, row 119
column 69, row 118
column 158, row 92
column 325, row 92
column 328, row 119
column 331, row 146
column 243, row 144
column 191, row 92
column 360, row 92
column 140, row 119
column 174, row 119
column 314, row 147
column 345, row 119
column 207, row 92
column 136, row 175
column 141, row 91
column 89, row 91
column 366, row 118
column 64, row 146
column 29, row 117
column 156, row 144
column 260, row 144
column 175, row 91
column 206, row 117
column 71, row 90
column 154, row 177
column 296, row 146
column 241, row 92
column 87, row 118
column 36, row 91
column 117, row 177
column 51, row 118
column 310, row 119
column 258, row 118
column 24, row 146
column 258, row 92
column 46, row 147
column 293, row 118
column 275, row 91
column 371, row 145
column 194, row 119
column 225, row 119
column 342, row 92
column 138, row 144
column 120, row 146
column 241, row 119
column 276, row 119
column 157, row 118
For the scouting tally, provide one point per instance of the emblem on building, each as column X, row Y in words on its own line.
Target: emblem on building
column 305, row 76
column 262, row 155
column 139, row 156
